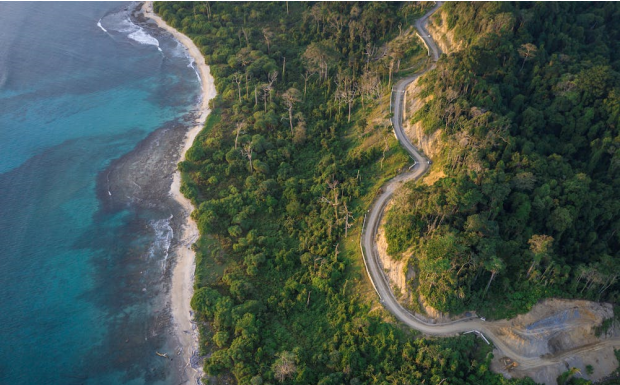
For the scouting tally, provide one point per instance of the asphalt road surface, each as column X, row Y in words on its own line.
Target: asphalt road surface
column 373, row 218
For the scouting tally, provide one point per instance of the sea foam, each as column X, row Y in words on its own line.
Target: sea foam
column 121, row 23
column 181, row 51
column 160, row 247
column 144, row 38
column 101, row 26
column 192, row 66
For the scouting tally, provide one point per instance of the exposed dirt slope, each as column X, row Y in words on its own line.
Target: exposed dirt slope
column 395, row 270
column 438, row 27
column 430, row 145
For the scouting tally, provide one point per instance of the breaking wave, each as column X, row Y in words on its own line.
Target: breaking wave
column 121, row 23
column 101, row 26
column 160, row 248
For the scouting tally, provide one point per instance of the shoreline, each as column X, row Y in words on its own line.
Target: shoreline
column 182, row 282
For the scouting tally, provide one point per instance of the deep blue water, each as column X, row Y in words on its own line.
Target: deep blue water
column 79, row 283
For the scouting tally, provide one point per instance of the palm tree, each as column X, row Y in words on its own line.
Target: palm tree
column 494, row 265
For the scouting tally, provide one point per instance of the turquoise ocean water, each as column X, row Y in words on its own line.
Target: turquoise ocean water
column 80, row 86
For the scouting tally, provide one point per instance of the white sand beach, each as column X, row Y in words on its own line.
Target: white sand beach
column 183, row 275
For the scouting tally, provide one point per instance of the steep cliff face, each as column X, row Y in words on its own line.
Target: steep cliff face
column 438, row 27
column 431, row 144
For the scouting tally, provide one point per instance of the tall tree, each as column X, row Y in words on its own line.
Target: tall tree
column 291, row 97
column 527, row 51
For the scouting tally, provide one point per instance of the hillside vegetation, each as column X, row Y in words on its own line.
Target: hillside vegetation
column 529, row 205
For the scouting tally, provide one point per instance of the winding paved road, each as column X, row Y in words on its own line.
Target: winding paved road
column 373, row 218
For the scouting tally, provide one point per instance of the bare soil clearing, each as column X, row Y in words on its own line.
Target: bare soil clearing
column 564, row 333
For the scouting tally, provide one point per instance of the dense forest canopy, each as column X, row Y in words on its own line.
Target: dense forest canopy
column 298, row 144
column 529, row 207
